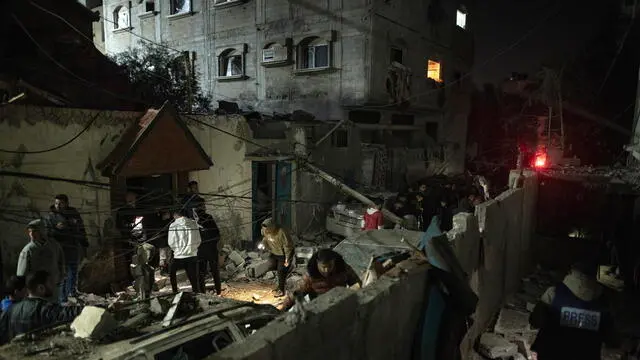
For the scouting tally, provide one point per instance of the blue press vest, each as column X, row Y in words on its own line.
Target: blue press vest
column 578, row 331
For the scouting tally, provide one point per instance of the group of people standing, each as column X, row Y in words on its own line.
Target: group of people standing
column 184, row 236
column 424, row 204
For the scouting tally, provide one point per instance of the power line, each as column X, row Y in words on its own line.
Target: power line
column 58, row 146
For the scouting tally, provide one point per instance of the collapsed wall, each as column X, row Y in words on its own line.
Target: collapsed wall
column 381, row 320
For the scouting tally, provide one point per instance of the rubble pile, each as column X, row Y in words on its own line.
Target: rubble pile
column 511, row 335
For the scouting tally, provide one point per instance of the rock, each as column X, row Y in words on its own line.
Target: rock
column 257, row 268
column 256, row 297
column 305, row 252
column 230, row 267
column 269, row 275
column 159, row 306
column 524, row 348
column 494, row 346
column 93, row 322
column 518, row 356
column 236, row 257
column 253, row 255
column 512, row 321
column 530, row 306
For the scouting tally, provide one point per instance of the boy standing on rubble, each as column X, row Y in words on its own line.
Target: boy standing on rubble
column 279, row 243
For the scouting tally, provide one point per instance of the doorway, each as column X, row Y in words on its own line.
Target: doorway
column 271, row 194
column 262, row 194
column 153, row 191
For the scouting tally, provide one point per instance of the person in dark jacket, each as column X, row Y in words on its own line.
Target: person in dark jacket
column 445, row 216
column 573, row 318
column 16, row 290
column 35, row 312
column 208, row 250
column 325, row 270
column 64, row 225
column 192, row 200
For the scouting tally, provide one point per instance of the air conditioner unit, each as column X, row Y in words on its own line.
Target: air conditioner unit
column 273, row 55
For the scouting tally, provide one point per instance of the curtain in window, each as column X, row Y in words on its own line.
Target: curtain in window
column 234, row 66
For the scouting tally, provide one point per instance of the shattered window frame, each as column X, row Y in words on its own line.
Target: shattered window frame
column 230, row 64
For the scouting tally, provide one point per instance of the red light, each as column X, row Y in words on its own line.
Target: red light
column 540, row 161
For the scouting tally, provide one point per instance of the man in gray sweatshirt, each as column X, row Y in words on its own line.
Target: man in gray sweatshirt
column 41, row 254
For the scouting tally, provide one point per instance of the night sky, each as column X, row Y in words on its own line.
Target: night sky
column 500, row 23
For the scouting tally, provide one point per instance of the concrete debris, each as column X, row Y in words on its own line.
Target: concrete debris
column 231, row 267
column 257, row 268
column 236, row 257
column 269, row 275
column 256, row 297
column 136, row 320
column 305, row 252
column 159, row 306
column 495, row 346
column 254, row 255
column 512, row 321
column 93, row 323
column 518, row 356
column 524, row 348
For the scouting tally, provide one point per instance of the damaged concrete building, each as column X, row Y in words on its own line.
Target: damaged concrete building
column 394, row 71
column 157, row 151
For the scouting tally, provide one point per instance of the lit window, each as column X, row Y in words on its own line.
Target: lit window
column 313, row 54
column 180, row 6
column 461, row 19
column 230, row 64
column 433, row 71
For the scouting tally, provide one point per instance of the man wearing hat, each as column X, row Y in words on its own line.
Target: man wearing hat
column 573, row 317
column 41, row 254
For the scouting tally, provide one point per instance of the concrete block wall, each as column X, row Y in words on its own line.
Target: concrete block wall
column 507, row 224
column 380, row 321
column 377, row 322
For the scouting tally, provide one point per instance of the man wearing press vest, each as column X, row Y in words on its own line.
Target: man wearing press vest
column 573, row 318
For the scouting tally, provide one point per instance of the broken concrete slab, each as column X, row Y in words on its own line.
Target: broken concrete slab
column 257, row 268
column 495, row 346
column 159, row 306
column 524, row 348
column 93, row 323
column 254, row 255
column 236, row 257
column 512, row 321
column 231, row 267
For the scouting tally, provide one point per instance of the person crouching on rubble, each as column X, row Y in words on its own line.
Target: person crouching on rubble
column 16, row 290
column 35, row 312
column 279, row 243
column 573, row 318
column 373, row 219
column 184, row 240
column 325, row 270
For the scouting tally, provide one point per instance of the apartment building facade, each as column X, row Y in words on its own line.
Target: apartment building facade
column 396, row 70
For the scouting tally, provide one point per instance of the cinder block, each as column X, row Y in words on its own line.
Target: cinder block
column 258, row 268
column 93, row 322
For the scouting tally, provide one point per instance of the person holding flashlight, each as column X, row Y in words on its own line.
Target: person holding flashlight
column 277, row 241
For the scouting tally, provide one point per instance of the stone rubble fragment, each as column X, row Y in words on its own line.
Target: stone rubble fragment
column 236, row 257
column 159, row 306
column 93, row 323
column 495, row 346
column 257, row 268
column 512, row 321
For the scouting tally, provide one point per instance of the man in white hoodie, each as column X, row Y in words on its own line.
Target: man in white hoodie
column 184, row 240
